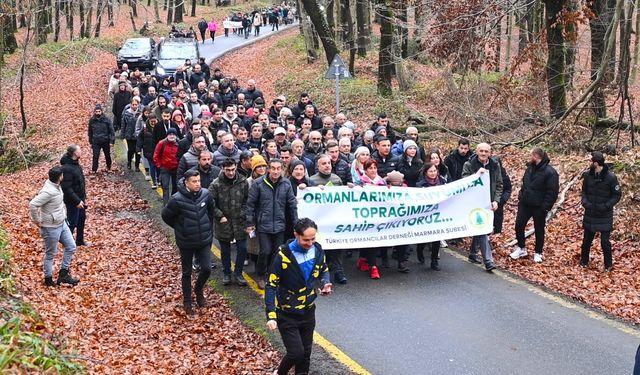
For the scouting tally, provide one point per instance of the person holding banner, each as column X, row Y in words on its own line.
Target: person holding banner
column 431, row 177
column 298, row 274
column 367, row 260
column 483, row 163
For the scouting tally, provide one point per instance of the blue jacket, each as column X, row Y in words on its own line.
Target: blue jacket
column 268, row 203
column 287, row 291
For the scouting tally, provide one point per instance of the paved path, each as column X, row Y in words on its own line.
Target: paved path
column 463, row 320
column 211, row 51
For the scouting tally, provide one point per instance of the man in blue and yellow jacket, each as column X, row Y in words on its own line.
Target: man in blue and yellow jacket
column 298, row 273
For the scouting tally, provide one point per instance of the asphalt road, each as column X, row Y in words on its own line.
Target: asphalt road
column 222, row 45
column 463, row 320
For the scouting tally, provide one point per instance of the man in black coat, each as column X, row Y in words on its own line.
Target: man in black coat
column 539, row 191
column 190, row 214
column 600, row 193
column 386, row 162
column 270, row 198
column 75, row 194
column 456, row 159
column 101, row 137
column 120, row 100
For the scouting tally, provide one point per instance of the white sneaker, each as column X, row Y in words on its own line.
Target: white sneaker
column 537, row 258
column 147, row 177
column 443, row 244
column 518, row 253
column 246, row 262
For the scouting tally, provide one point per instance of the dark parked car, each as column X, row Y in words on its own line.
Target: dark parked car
column 138, row 53
column 172, row 53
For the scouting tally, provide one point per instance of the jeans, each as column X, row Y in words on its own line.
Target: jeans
column 106, row 149
column 605, row 243
column 297, row 336
column 51, row 237
column 241, row 255
column 256, row 30
column 153, row 171
column 269, row 243
column 168, row 178
column 524, row 214
column 131, row 152
column 482, row 241
column 76, row 218
column 203, row 254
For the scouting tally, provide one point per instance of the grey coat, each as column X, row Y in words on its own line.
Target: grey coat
column 268, row 203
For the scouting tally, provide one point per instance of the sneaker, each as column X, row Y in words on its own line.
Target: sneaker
column 518, row 253
column 147, row 178
column 240, row 280
column 363, row 265
column 537, row 258
column 226, row 279
column 473, row 259
column 154, row 186
column 375, row 274
column 188, row 309
column 246, row 262
column 443, row 244
column 608, row 269
column 196, row 266
column 584, row 265
column 490, row 267
column 48, row 281
column 435, row 266
column 341, row 279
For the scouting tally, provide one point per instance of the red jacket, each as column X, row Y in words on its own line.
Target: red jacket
column 165, row 155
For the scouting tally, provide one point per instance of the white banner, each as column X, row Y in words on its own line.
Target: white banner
column 232, row 24
column 373, row 216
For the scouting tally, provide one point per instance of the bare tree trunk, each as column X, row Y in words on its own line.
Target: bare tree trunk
column 110, row 12
column 82, row 15
column 165, row 6
column 156, row 11
column 42, row 25
column 610, row 73
column 598, row 24
column 507, row 52
column 23, row 114
column 572, row 36
column 70, row 19
column 556, row 63
column 178, row 11
column 403, row 29
column 89, row 19
column 193, row 8
column 363, row 19
column 133, row 22
column 169, row 7
column 385, row 59
column 56, row 16
column 331, row 17
column 8, row 43
column 134, row 8
column 636, row 44
column 320, row 24
column 99, row 8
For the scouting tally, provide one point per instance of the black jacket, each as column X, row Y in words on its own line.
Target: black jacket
column 191, row 217
column 412, row 173
column 385, row 165
column 120, row 101
column 145, row 141
column 342, row 169
column 268, row 203
column 600, row 192
column 454, row 161
column 101, row 130
column 207, row 177
column 72, row 185
column 540, row 185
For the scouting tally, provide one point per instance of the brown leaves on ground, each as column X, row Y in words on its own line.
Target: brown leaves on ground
column 126, row 314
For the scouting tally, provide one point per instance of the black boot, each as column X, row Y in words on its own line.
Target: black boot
column 200, row 299
column 48, row 281
column 188, row 309
column 64, row 277
column 420, row 253
column 434, row 265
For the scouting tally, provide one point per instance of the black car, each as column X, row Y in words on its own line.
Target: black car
column 138, row 53
column 172, row 53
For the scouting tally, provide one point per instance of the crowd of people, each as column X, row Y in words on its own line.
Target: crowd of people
column 244, row 24
column 230, row 164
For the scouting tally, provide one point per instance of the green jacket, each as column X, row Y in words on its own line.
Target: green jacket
column 495, row 175
column 231, row 202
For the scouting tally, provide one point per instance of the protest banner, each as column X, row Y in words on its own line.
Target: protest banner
column 374, row 216
column 232, row 24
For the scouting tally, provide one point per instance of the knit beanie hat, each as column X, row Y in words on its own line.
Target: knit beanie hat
column 257, row 161
column 360, row 150
column 409, row 143
column 395, row 178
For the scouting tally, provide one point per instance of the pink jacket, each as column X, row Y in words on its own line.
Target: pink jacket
column 213, row 26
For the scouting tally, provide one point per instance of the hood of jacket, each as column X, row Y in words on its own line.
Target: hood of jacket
column 66, row 159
